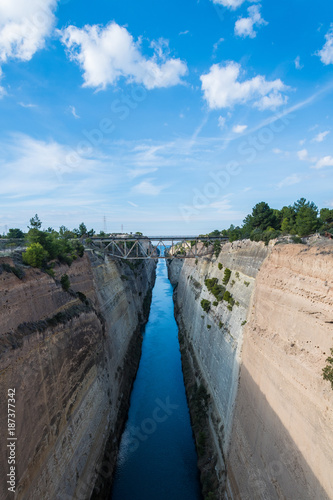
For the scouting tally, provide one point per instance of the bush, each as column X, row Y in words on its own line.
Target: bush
column 296, row 239
column 246, row 283
column 65, row 283
column 219, row 266
column 214, row 288
column 15, row 233
column 205, row 304
column 15, row 270
column 35, row 255
column 229, row 298
column 215, row 303
column 209, row 327
column 217, row 248
column 328, row 370
column 226, row 277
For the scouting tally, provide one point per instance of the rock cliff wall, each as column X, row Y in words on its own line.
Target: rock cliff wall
column 71, row 359
column 268, row 426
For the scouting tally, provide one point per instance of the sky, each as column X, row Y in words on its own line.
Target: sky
column 163, row 117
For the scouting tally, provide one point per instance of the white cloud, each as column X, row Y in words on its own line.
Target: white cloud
column 326, row 161
column 148, row 188
column 222, row 89
column 138, row 172
column 245, row 25
column 73, row 111
column 231, row 4
column 326, row 53
column 108, row 53
column 321, row 136
column 32, row 167
column 27, row 105
column 239, row 129
column 290, row 181
column 303, row 154
column 277, row 151
column 298, row 64
column 184, row 32
column 221, row 122
column 302, row 142
column 216, row 46
column 24, row 26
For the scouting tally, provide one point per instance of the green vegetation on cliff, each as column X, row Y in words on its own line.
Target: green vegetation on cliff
column 328, row 370
column 265, row 223
column 48, row 245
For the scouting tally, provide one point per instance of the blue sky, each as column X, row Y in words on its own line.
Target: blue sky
column 163, row 117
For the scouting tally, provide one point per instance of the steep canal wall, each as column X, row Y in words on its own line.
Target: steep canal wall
column 71, row 358
column 253, row 368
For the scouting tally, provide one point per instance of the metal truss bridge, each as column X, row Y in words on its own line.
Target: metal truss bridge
column 134, row 247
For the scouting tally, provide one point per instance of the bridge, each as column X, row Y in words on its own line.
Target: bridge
column 133, row 247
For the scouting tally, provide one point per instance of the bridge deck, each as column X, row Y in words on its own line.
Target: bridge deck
column 137, row 247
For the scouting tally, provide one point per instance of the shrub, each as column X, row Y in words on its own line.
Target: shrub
column 237, row 274
column 229, row 306
column 215, row 303
column 65, row 283
column 296, row 239
column 50, row 272
column 205, row 304
column 229, row 298
column 232, row 283
column 217, row 248
column 226, row 277
column 246, row 283
column 209, row 327
column 15, row 233
column 81, row 296
column 328, row 370
column 244, row 322
column 220, row 325
column 214, row 288
column 35, row 255
column 15, row 270
column 219, row 266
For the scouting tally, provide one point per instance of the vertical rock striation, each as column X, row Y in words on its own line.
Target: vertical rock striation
column 71, row 359
column 268, row 427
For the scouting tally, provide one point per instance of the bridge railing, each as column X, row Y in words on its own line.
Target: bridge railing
column 165, row 247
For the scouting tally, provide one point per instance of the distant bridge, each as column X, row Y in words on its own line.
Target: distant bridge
column 135, row 247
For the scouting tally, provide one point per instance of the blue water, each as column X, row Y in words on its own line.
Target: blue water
column 157, row 457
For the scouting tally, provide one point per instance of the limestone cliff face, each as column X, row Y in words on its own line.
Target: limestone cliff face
column 71, row 362
column 282, row 437
column 270, row 416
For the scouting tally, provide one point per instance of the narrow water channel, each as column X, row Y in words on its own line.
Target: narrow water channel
column 157, row 457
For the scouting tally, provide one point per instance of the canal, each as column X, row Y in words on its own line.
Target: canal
column 157, row 456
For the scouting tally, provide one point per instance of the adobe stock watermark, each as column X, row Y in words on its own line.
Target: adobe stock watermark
column 136, row 435
column 248, row 150
column 211, row 191
column 120, row 109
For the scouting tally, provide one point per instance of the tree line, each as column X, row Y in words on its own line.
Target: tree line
column 301, row 219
